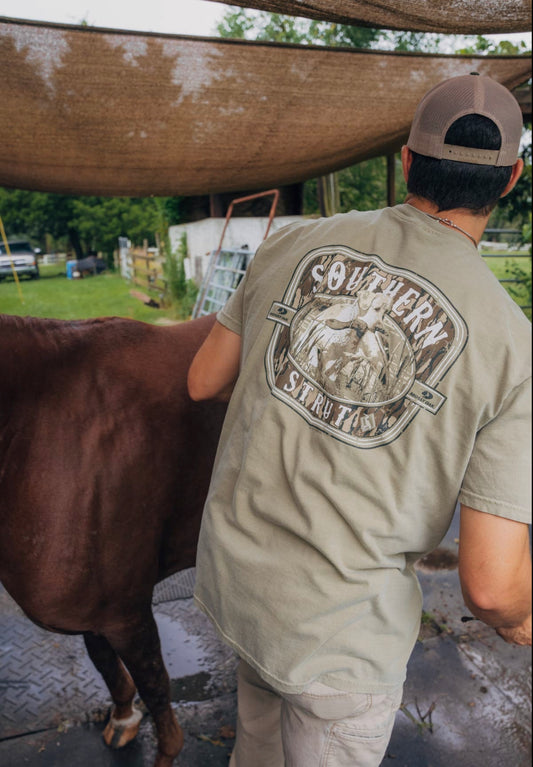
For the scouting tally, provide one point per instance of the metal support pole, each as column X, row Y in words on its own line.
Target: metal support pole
column 8, row 253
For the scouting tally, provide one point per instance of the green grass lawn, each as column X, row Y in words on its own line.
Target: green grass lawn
column 108, row 294
column 502, row 268
column 52, row 295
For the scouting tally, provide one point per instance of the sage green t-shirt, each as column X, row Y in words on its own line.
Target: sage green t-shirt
column 384, row 376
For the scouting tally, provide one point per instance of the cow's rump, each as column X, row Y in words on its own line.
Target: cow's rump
column 104, row 464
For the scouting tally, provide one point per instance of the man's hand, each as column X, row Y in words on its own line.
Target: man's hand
column 520, row 635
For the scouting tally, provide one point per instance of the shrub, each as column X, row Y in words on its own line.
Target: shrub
column 180, row 291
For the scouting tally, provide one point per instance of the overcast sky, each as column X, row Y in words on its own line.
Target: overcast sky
column 185, row 17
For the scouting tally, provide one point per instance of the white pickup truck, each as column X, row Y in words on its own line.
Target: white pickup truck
column 23, row 257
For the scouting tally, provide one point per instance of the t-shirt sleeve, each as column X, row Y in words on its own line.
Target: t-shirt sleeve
column 498, row 478
column 231, row 314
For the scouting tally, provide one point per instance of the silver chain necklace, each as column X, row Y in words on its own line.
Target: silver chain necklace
column 449, row 222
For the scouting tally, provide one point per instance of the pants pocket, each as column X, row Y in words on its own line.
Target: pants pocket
column 361, row 741
column 350, row 748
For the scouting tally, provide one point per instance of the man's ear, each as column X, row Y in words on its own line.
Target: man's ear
column 407, row 159
column 518, row 167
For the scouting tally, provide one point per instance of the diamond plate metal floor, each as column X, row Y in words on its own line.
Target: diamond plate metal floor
column 47, row 678
column 44, row 677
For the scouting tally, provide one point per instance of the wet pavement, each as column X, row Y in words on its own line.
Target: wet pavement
column 467, row 699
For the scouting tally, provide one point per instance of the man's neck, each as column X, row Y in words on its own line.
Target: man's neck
column 462, row 218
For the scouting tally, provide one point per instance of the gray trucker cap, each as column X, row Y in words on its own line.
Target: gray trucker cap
column 464, row 95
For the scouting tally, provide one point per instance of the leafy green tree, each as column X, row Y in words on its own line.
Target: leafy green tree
column 513, row 211
column 35, row 214
column 85, row 223
column 482, row 44
column 276, row 27
column 416, row 41
column 100, row 221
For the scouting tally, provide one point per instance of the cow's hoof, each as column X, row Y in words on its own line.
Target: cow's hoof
column 118, row 732
column 164, row 761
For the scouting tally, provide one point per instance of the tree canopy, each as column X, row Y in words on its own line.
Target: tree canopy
column 83, row 224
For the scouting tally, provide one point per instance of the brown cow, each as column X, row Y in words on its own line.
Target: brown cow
column 104, row 468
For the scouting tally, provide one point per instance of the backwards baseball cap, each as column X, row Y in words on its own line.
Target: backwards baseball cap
column 465, row 95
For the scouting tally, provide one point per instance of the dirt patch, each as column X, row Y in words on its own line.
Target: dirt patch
column 429, row 627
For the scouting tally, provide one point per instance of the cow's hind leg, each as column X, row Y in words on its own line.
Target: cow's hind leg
column 125, row 719
column 140, row 649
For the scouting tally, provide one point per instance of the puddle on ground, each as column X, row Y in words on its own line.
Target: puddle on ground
column 182, row 652
column 185, row 661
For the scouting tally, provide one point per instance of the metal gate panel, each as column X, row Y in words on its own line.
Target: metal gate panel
column 226, row 269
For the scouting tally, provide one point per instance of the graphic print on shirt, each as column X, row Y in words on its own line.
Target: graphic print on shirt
column 359, row 346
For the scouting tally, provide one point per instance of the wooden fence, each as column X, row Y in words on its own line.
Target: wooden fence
column 146, row 269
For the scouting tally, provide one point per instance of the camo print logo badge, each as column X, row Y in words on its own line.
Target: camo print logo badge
column 360, row 347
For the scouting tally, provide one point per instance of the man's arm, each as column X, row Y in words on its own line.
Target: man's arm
column 495, row 573
column 215, row 368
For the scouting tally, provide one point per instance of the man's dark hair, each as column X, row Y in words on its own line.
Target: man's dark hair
column 450, row 184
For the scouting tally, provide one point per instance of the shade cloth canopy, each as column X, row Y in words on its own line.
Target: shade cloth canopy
column 89, row 111
column 462, row 17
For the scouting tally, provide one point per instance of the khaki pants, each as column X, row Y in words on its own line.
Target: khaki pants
column 321, row 727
